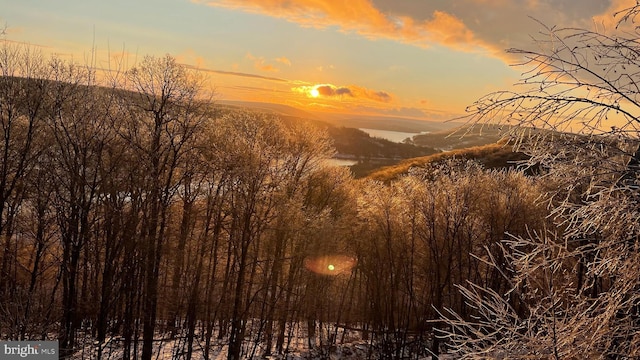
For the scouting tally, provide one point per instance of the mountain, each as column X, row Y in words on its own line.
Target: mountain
column 389, row 123
column 352, row 143
column 278, row 109
column 379, row 122
column 369, row 152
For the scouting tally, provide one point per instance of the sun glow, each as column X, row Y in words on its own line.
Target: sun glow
column 314, row 93
column 332, row 265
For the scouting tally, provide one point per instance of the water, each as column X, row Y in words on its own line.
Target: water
column 341, row 162
column 394, row 136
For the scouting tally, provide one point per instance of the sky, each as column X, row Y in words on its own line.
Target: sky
column 423, row 59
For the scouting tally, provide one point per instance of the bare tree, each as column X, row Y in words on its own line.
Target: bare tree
column 419, row 236
column 251, row 149
column 23, row 89
column 76, row 121
column 577, row 114
column 165, row 112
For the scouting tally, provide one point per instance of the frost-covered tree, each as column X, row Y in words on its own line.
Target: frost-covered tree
column 576, row 112
column 165, row 113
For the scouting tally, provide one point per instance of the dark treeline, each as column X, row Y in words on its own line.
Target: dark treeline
column 134, row 211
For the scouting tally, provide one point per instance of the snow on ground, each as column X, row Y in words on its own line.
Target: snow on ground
column 169, row 350
column 346, row 345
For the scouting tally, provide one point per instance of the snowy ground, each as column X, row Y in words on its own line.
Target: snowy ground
column 170, row 350
column 165, row 348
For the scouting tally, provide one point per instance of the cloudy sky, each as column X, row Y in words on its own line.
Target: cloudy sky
column 417, row 58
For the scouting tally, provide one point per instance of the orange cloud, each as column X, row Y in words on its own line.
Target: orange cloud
column 381, row 96
column 190, row 57
column 259, row 63
column 449, row 30
column 485, row 26
column 362, row 17
column 353, row 91
column 322, row 68
column 284, row 60
column 619, row 8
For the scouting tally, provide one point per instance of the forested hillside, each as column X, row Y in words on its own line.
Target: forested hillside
column 140, row 220
column 135, row 214
column 492, row 156
column 357, row 145
column 461, row 137
column 369, row 153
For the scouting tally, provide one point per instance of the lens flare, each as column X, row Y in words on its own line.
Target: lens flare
column 330, row 264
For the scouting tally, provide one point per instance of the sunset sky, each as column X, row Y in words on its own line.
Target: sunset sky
column 424, row 59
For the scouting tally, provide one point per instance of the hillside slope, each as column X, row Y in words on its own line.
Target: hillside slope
column 496, row 155
column 460, row 137
column 358, row 145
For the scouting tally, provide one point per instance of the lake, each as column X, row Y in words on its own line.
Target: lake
column 341, row 162
column 394, row 136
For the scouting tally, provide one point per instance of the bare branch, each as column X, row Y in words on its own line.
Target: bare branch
column 576, row 111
